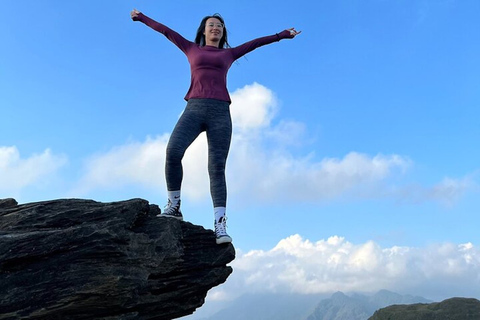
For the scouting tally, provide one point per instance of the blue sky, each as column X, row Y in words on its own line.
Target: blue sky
column 357, row 137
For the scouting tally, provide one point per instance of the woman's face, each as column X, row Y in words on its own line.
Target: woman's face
column 213, row 31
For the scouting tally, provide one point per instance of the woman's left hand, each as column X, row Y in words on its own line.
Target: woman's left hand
column 294, row 32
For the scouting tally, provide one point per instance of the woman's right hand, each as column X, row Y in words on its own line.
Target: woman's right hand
column 135, row 14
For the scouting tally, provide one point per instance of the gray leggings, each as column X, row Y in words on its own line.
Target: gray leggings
column 212, row 116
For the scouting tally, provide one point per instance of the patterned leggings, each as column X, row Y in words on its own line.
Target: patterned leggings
column 212, row 116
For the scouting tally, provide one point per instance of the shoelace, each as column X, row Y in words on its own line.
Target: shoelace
column 221, row 226
column 171, row 209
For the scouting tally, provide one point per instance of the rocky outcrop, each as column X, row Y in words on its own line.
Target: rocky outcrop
column 81, row 259
column 453, row 309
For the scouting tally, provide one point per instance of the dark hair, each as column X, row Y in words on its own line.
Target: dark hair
column 200, row 37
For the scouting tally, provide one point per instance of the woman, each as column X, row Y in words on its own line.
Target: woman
column 207, row 108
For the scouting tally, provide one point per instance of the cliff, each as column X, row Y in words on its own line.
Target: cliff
column 81, row 259
column 453, row 309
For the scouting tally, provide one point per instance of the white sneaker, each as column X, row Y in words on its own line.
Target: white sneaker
column 172, row 211
column 221, row 231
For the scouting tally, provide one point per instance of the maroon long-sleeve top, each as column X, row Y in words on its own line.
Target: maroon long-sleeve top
column 209, row 65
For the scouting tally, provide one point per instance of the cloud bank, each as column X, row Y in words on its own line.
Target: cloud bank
column 297, row 265
column 261, row 165
column 17, row 173
column 134, row 163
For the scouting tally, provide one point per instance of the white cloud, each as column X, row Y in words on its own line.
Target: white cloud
column 278, row 174
column 253, row 106
column 282, row 176
column 17, row 173
column 297, row 265
column 288, row 133
column 143, row 164
column 133, row 163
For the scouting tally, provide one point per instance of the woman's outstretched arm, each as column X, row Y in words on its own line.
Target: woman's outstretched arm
column 182, row 43
column 256, row 43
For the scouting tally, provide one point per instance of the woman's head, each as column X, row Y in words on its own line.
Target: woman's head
column 212, row 29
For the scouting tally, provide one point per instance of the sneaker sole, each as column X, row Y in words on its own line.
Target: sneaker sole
column 224, row 239
column 161, row 215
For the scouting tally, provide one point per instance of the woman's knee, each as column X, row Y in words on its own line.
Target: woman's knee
column 216, row 170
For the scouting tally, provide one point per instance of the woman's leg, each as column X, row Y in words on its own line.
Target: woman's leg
column 187, row 129
column 219, row 133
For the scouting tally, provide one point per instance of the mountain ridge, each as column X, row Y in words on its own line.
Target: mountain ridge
column 452, row 309
column 336, row 306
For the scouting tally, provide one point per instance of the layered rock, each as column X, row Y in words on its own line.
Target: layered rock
column 81, row 259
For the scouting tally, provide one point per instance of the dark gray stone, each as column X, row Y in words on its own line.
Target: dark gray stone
column 7, row 203
column 81, row 259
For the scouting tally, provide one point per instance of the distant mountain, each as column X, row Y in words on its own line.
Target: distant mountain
column 269, row 307
column 338, row 306
column 342, row 307
column 453, row 309
column 357, row 306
